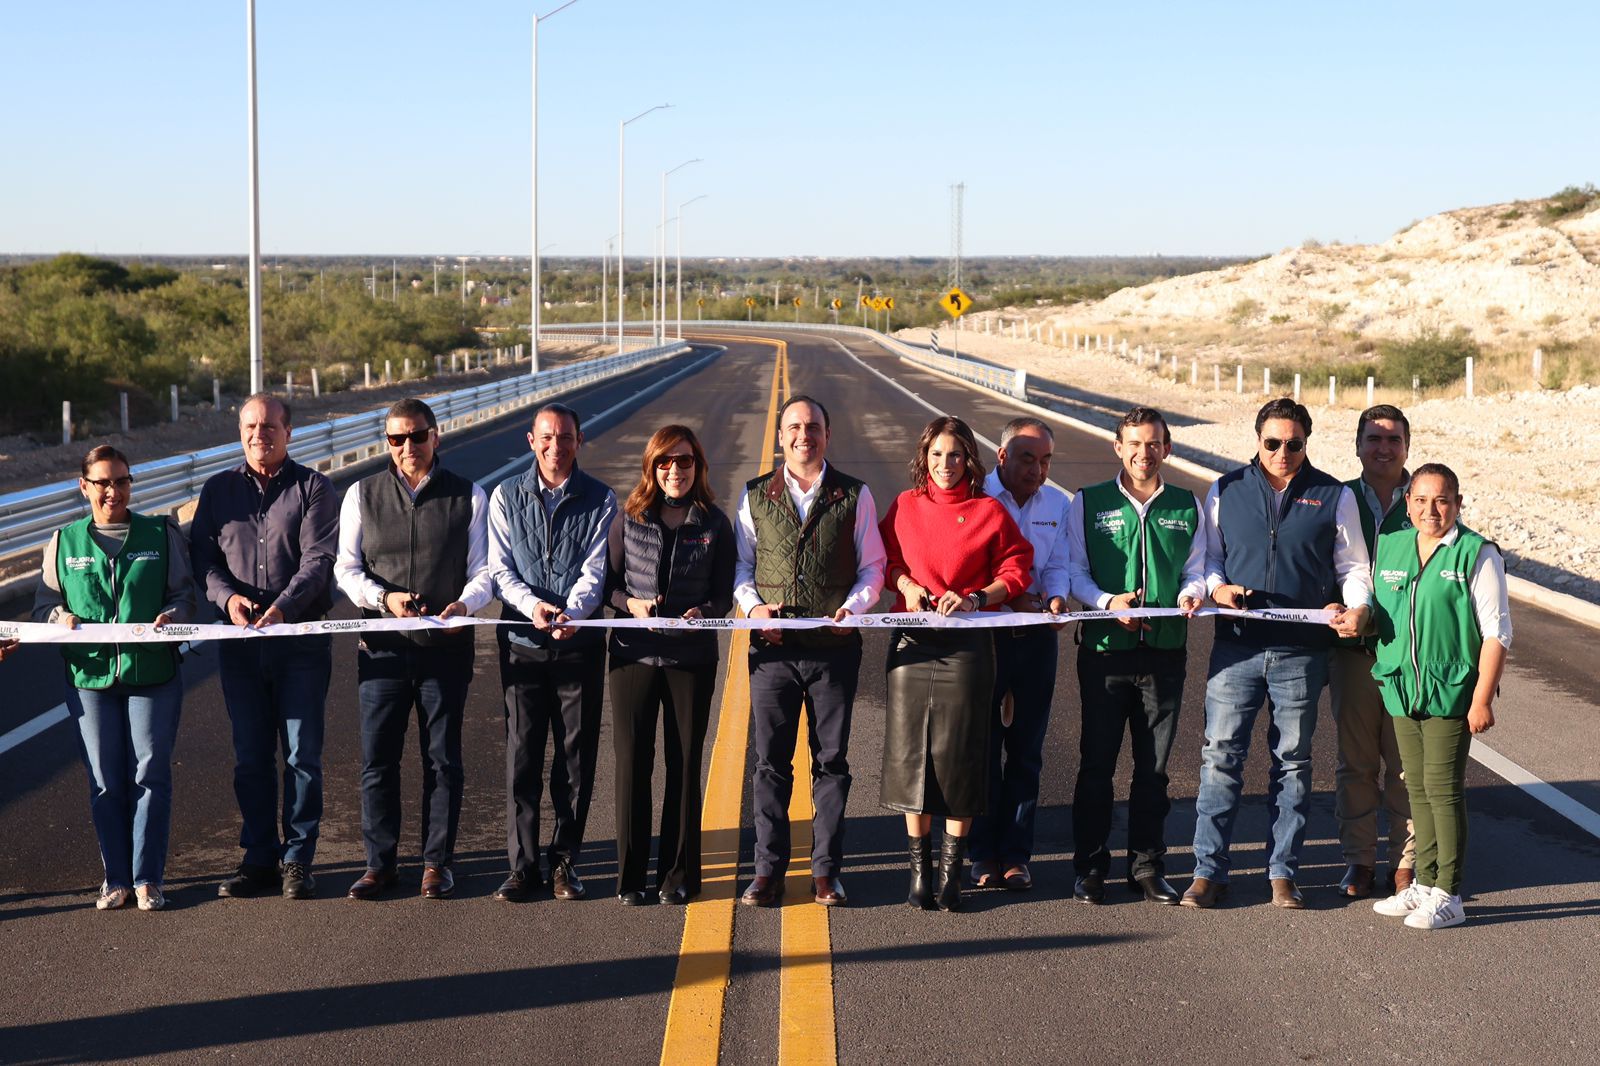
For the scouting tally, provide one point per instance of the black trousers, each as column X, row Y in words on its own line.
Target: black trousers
column 1025, row 666
column 1137, row 691
column 780, row 680
column 681, row 697
column 555, row 697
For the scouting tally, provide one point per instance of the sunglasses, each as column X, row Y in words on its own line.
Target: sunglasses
column 109, row 482
column 1294, row 445
column 682, row 462
column 397, row 440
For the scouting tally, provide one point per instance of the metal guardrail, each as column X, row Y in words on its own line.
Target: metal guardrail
column 28, row 517
column 1013, row 383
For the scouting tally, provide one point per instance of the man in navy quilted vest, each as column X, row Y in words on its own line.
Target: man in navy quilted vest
column 1282, row 534
column 547, row 552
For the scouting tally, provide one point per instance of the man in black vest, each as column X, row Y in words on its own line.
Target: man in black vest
column 547, row 553
column 1281, row 534
column 808, row 546
column 413, row 540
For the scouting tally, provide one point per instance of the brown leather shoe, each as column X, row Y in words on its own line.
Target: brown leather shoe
column 565, row 882
column 1403, row 878
column 373, row 884
column 437, row 882
column 1286, row 895
column 1357, row 883
column 1204, row 893
column 517, row 888
column 763, row 892
column 828, row 891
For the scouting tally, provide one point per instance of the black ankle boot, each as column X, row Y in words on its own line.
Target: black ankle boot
column 921, row 851
column 952, row 850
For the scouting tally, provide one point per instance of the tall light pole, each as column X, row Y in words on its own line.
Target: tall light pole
column 662, row 291
column 533, row 324
column 605, row 271
column 681, row 206
column 256, row 375
column 622, row 128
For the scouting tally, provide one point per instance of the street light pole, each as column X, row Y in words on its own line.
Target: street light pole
column 681, row 206
column 662, row 293
column 533, row 324
column 622, row 128
column 256, row 370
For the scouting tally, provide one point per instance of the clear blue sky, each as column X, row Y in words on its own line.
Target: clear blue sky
column 826, row 129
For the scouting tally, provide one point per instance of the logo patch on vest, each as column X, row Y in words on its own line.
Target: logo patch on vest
column 1110, row 521
column 1182, row 524
column 1309, row 501
column 1395, row 579
column 1453, row 575
column 144, row 556
column 80, row 562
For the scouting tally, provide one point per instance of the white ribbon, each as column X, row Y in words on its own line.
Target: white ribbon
column 145, row 633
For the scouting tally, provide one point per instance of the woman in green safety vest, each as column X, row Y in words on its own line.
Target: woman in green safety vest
column 1444, row 627
column 122, row 567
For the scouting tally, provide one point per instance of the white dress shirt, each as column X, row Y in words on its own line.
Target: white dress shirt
column 1352, row 565
column 1490, row 601
column 1042, row 517
column 351, row 576
column 870, row 556
column 584, row 597
column 1084, row 588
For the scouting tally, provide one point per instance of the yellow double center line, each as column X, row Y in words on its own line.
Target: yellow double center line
column 806, row 1030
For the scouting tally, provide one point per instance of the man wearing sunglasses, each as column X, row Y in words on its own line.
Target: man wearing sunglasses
column 413, row 541
column 263, row 542
column 547, row 549
column 1282, row 534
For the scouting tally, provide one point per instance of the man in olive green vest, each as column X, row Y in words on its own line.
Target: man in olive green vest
column 1369, row 763
column 1136, row 542
column 808, row 546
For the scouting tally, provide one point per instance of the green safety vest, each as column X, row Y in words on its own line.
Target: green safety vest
column 1394, row 521
column 1428, row 636
column 130, row 586
column 1127, row 552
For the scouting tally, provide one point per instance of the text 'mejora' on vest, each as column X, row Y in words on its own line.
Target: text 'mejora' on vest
column 1127, row 552
column 1428, row 635
column 1280, row 549
column 130, row 586
column 548, row 546
column 811, row 566
column 416, row 546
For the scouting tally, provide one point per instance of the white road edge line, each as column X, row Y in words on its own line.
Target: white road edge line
column 1549, row 795
column 33, row 727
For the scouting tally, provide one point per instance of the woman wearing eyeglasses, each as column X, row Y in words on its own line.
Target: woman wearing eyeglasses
column 950, row 548
column 672, row 555
column 120, row 566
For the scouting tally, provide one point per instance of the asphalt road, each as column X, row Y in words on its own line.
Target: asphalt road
column 1016, row 978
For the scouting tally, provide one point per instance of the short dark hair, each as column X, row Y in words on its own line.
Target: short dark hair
column 560, row 410
column 411, row 407
column 1023, row 424
column 102, row 453
column 1283, row 407
column 1144, row 416
column 1384, row 412
column 803, row 398
column 1452, row 484
column 269, row 398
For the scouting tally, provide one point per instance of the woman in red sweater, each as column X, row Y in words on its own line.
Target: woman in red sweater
column 950, row 548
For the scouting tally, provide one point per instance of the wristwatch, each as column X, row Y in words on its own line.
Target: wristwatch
column 982, row 597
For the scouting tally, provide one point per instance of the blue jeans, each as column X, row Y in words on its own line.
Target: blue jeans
column 1025, row 666
column 276, row 691
column 128, row 733
column 1290, row 681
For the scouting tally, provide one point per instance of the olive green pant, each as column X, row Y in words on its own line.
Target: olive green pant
column 1433, row 752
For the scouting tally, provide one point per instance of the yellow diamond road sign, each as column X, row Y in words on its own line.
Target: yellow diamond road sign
column 796, row 301
column 836, row 303
column 888, row 303
column 866, row 301
column 956, row 303
column 700, row 302
column 749, row 301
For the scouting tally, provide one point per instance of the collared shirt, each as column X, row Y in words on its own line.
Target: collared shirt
column 1352, row 565
column 584, row 596
column 351, row 574
column 1379, row 508
column 870, row 557
column 1084, row 588
column 1042, row 517
column 273, row 544
column 1490, row 599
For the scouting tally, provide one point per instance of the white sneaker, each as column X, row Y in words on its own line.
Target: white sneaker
column 1402, row 904
column 150, row 898
column 1440, row 912
column 112, row 899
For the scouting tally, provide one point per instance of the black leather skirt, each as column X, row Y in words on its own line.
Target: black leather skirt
column 936, row 739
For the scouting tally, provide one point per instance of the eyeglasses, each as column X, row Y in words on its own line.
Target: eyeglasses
column 1294, row 445
column 109, row 482
column 419, row 436
column 682, row 462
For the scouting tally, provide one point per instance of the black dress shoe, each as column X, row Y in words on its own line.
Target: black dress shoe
column 565, row 882
column 298, row 883
column 1155, row 889
column 675, row 897
column 252, row 880
column 1090, row 888
column 516, row 888
column 632, row 899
